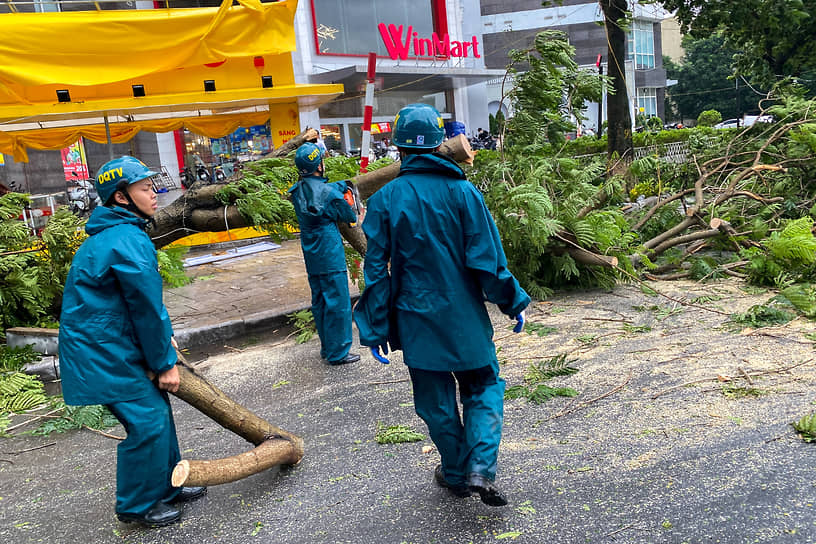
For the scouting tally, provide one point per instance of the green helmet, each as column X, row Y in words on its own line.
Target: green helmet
column 117, row 174
column 418, row 126
column 308, row 158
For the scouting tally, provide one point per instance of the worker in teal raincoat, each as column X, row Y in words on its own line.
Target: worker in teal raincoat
column 434, row 256
column 319, row 206
column 114, row 330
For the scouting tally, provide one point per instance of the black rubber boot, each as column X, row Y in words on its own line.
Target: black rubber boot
column 487, row 490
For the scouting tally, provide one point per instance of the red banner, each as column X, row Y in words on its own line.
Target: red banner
column 74, row 162
column 380, row 128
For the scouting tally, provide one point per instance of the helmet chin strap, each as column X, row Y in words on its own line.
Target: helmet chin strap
column 131, row 206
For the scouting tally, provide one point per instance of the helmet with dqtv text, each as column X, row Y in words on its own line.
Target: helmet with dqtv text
column 418, row 126
column 308, row 158
column 117, row 174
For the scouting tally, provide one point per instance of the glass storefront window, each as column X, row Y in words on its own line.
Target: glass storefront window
column 332, row 137
column 349, row 27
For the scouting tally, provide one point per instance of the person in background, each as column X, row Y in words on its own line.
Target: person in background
column 115, row 335
column 319, row 206
column 434, row 256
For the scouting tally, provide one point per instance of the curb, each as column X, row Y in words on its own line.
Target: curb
column 227, row 330
column 252, row 323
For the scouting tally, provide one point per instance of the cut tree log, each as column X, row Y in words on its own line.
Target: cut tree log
column 274, row 446
column 230, row 469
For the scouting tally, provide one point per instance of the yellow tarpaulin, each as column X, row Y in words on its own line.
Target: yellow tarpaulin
column 194, row 68
column 126, row 44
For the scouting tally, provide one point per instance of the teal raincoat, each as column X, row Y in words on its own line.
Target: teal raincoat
column 114, row 325
column 319, row 206
column 446, row 259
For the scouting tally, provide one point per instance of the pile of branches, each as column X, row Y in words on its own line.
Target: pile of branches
column 742, row 204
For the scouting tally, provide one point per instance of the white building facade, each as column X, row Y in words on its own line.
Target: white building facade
column 428, row 51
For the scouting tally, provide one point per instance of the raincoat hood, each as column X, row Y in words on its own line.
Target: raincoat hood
column 104, row 217
column 431, row 163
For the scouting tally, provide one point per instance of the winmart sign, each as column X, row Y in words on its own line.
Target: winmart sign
column 401, row 46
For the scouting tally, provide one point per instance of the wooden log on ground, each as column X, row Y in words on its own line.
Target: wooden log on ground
column 230, row 469
column 219, row 407
column 274, row 446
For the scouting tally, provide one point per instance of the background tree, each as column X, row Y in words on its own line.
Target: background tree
column 773, row 39
column 705, row 82
column 549, row 91
column 619, row 129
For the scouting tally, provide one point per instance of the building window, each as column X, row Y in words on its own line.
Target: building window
column 641, row 45
column 647, row 101
column 349, row 27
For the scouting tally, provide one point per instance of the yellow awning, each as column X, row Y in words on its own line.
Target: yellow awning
column 126, row 44
column 207, row 69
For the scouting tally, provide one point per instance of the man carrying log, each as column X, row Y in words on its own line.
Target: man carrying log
column 319, row 206
column 114, row 329
column 433, row 256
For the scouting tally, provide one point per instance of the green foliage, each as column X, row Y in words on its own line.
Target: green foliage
column 802, row 297
column 75, row 417
column 806, row 427
column 304, row 324
column 536, row 328
column 767, row 36
column 171, row 266
column 396, row 434
column 533, row 197
column 786, row 255
column 544, row 75
column 732, row 391
column 549, row 368
column 20, row 392
column 709, row 118
column 534, row 388
column 13, row 359
column 342, row 168
column 762, row 315
column 33, row 270
column 260, row 196
column 705, row 79
column 496, row 122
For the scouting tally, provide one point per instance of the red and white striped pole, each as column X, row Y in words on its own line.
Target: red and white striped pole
column 368, row 113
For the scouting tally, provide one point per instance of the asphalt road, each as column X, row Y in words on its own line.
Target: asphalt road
column 635, row 458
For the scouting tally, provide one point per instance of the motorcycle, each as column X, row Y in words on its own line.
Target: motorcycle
column 186, row 177
column 202, row 173
column 219, row 173
column 82, row 197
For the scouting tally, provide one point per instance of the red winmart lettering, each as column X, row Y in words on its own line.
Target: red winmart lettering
column 399, row 46
column 392, row 37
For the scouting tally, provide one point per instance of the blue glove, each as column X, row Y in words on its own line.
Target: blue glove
column 519, row 322
column 375, row 351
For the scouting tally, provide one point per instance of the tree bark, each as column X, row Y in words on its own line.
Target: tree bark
column 619, row 122
column 230, row 469
column 294, row 143
column 274, row 446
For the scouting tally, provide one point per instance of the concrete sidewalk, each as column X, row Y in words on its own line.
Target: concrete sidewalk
column 238, row 296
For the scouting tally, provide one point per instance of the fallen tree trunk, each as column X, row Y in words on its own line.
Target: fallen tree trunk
column 230, row 469
column 274, row 446
column 199, row 211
